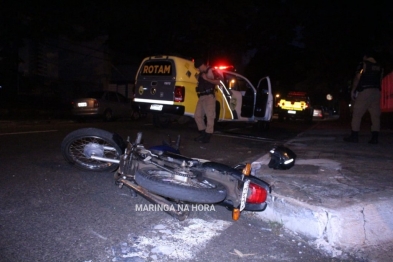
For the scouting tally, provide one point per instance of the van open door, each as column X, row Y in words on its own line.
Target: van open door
column 263, row 110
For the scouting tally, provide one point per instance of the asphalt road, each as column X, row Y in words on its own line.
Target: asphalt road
column 50, row 211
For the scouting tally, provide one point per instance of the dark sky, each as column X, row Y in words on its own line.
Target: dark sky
column 293, row 41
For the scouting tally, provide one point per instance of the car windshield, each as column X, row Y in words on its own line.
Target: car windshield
column 95, row 94
column 297, row 98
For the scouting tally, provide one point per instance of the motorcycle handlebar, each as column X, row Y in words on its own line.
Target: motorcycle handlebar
column 138, row 138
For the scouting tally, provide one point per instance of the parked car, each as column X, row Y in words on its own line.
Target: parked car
column 106, row 104
column 320, row 112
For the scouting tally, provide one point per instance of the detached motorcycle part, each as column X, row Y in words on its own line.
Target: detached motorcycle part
column 165, row 183
column 79, row 148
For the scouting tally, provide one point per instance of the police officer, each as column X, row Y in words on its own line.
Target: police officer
column 366, row 95
column 206, row 104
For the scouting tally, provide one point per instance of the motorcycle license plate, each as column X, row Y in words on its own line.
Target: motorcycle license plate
column 244, row 195
column 156, row 107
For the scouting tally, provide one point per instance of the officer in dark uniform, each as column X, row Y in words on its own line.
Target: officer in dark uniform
column 206, row 104
column 366, row 94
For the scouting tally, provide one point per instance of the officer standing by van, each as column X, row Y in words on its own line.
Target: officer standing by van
column 366, row 94
column 206, row 104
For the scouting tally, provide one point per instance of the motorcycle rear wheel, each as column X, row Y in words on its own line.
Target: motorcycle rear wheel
column 162, row 183
column 74, row 145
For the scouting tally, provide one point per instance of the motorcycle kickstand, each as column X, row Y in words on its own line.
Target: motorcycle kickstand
column 164, row 203
column 120, row 184
column 133, row 193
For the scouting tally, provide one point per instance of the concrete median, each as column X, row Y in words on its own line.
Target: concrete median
column 338, row 195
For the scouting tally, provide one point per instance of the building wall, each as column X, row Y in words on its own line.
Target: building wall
column 63, row 68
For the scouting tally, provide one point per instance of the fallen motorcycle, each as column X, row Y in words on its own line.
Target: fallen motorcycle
column 168, row 179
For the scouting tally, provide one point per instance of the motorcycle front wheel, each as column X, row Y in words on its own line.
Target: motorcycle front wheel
column 79, row 145
column 164, row 183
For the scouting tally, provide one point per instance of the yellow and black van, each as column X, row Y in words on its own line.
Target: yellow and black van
column 295, row 105
column 165, row 86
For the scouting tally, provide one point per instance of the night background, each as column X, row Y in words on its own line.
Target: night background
column 52, row 50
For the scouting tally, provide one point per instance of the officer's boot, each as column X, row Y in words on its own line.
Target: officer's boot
column 206, row 139
column 353, row 138
column 199, row 138
column 374, row 137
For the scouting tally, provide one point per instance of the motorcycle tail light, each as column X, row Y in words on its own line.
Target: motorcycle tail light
column 256, row 194
column 179, row 94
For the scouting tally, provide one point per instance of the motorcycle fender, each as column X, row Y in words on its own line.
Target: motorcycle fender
column 255, row 207
column 249, row 207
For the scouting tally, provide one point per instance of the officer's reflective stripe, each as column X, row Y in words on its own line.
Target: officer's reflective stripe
column 153, row 101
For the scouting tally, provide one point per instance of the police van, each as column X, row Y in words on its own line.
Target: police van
column 166, row 87
column 295, row 105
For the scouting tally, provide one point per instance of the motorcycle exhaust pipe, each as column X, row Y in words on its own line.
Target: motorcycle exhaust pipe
column 166, row 205
column 115, row 161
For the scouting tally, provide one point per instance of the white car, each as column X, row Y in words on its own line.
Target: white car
column 319, row 112
column 106, row 104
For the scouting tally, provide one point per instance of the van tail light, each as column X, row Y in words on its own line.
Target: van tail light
column 179, row 94
column 95, row 103
column 256, row 194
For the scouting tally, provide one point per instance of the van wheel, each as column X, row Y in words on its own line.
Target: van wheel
column 281, row 117
column 263, row 126
column 162, row 120
column 217, row 112
column 182, row 120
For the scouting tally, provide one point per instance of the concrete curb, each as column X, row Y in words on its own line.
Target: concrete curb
column 347, row 229
column 316, row 200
